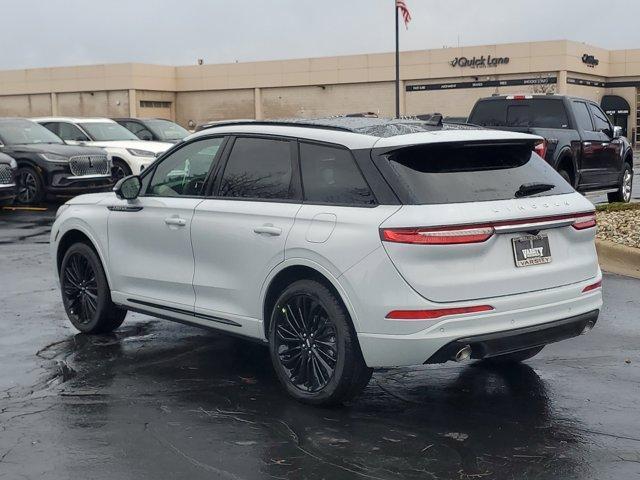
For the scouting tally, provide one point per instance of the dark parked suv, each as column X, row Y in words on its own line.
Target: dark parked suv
column 8, row 169
column 154, row 129
column 47, row 166
column 579, row 140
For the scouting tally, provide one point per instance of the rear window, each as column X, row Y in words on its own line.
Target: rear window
column 474, row 173
column 532, row 113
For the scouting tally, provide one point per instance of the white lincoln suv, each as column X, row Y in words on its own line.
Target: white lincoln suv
column 128, row 153
column 343, row 244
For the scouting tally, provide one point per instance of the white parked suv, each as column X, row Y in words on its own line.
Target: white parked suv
column 343, row 244
column 128, row 153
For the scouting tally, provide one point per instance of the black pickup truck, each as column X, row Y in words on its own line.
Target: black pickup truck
column 579, row 140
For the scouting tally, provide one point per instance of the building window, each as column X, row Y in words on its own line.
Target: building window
column 154, row 104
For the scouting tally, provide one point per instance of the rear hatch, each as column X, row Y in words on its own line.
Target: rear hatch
column 485, row 219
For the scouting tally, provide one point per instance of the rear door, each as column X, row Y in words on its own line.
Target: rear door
column 611, row 149
column 592, row 162
column 467, row 234
column 239, row 232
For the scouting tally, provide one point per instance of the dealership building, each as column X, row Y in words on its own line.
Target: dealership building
column 446, row 80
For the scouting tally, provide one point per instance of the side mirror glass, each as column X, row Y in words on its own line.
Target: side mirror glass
column 128, row 188
column 617, row 131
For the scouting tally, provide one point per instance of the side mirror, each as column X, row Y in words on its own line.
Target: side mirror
column 128, row 188
column 617, row 131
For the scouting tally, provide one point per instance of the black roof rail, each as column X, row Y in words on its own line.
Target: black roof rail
column 275, row 123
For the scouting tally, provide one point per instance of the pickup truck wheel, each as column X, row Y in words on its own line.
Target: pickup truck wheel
column 314, row 349
column 623, row 194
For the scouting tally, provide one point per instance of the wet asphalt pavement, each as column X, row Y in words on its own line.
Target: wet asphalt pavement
column 158, row 400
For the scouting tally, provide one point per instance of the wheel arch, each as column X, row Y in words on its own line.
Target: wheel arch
column 76, row 234
column 567, row 158
column 28, row 162
column 298, row 269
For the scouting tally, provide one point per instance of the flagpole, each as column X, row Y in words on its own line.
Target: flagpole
column 397, row 61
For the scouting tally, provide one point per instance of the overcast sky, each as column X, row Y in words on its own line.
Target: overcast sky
column 38, row 33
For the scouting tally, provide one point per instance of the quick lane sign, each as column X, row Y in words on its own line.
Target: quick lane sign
column 479, row 62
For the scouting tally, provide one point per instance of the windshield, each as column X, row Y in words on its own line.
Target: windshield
column 21, row 132
column 166, row 130
column 107, row 131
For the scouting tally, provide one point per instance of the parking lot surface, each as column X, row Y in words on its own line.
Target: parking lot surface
column 160, row 400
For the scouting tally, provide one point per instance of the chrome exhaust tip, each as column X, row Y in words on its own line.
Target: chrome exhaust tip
column 463, row 354
column 588, row 327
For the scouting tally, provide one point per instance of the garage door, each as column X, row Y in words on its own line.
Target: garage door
column 155, row 109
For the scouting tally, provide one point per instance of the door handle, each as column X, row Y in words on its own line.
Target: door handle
column 175, row 221
column 268, row 230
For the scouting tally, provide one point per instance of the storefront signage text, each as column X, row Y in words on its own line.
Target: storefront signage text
column 479, row 62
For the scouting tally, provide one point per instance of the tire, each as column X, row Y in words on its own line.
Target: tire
column 515, row 357
column 314, row 348
column 623, row 194
column 564, row 174
column 85, row 293
column 120, row 169
column 30, row 186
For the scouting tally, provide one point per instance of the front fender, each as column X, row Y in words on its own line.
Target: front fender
column 94, row 228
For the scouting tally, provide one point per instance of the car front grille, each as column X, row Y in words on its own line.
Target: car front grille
column 89, row 165
column 6, row 176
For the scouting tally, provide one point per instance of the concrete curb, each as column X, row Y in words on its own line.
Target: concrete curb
column 620, row 259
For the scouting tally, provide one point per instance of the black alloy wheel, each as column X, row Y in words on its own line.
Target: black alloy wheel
column 314, row 347
column 80, row 289
column 29, row 186
column 85, row 292
column 306, row 343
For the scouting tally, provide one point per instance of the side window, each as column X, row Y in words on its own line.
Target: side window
column 52, row 127
column 330, row 175
column 259, row 168
column 600, row 119
column 582, row 116
column 184, row 172
column 139, row 130
column 67, row 131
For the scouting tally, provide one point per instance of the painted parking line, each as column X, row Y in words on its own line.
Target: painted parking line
column 26, row 209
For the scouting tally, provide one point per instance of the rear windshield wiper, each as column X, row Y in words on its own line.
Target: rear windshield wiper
column 527, row 189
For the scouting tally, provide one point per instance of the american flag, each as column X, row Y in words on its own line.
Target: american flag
column 404, row 11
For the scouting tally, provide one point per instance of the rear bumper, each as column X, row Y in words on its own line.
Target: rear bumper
column 500, row 343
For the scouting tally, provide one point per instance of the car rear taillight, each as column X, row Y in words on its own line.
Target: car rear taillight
column 541, row 148
column 438, row 236
column 519, row 97
column 584, row 222
column 478, row 233
column 594, row 286
column 437, row 313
